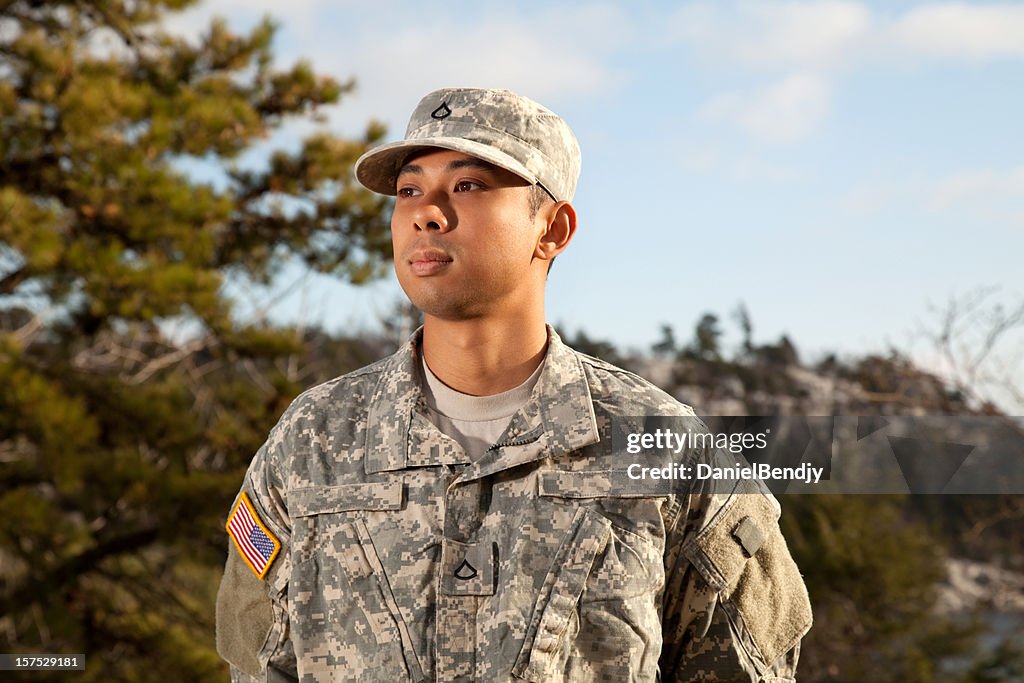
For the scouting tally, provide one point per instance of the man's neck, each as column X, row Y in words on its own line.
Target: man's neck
column 483, row 357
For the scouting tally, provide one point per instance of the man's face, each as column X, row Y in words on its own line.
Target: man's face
column 464, row 238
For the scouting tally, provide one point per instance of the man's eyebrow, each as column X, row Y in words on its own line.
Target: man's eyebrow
column 468, row 162
column 471, row 162
column 411, row 168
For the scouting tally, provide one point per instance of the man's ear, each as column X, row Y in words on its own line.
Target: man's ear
column 560, row 219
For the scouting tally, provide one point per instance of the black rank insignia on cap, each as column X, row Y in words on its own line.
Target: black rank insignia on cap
column 441, row 112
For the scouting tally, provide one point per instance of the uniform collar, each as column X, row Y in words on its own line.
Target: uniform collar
column 558, row 418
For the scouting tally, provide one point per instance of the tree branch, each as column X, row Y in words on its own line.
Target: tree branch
column 42, row 587
column 10, row 282
column 157, row 364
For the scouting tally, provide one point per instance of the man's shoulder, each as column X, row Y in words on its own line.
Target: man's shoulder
column 623, row 392
column 346, row 395
column 341, row 386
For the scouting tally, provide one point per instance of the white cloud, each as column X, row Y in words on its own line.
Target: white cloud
column 509, row 51
column 826, row 38
column 769, row 34
column 698, row 157
column 868, row 199
column 772, row 34
column 397, row 55
column 959, row 30
column 396, row 64
column 703, row 158
column 972, row 186
column 781, row 112
column 753, row 170
column 192, row 23
column 995, row 193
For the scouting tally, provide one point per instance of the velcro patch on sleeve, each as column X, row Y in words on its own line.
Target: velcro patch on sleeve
column 749, row 535
column 256, row 544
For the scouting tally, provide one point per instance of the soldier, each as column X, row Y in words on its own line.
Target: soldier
column 460, row 510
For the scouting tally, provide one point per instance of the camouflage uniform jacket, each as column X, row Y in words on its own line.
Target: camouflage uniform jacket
column 542, row 561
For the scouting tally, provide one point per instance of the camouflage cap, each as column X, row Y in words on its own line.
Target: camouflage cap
column 498, row 126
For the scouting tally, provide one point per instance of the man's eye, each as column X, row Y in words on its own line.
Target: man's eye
column 407, row 192
column 467, row 186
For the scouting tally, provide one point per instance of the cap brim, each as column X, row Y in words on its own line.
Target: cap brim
column 377, row 169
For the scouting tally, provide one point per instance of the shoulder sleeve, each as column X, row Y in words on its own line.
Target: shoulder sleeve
column 252, row 602
column 244, row 614
column 735, row 605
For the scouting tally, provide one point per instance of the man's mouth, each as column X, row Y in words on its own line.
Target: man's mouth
column 425, row 262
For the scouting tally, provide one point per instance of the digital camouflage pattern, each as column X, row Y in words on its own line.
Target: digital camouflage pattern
column 498, row 126
column 402, row 560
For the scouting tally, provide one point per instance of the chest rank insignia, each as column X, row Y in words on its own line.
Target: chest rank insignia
column 465, row 571
column 256, row 544
column 441, row 112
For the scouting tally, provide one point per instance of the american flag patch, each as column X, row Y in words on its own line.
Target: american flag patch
column 255, row 542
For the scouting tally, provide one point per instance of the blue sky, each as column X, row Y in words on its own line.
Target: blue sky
column 837, row 166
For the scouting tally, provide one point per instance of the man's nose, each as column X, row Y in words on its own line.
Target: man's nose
column 432, row 214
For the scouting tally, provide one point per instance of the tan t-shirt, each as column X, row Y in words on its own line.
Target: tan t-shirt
column 475, row 422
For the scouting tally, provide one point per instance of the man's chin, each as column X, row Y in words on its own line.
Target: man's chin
column 450, row 311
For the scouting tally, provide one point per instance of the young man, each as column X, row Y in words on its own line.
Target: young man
column 460, row 511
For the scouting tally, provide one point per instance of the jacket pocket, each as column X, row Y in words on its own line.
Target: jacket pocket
column 346, row 620
column 588, row 534
column 744, row 557
column 632, row 564
column 318, row 500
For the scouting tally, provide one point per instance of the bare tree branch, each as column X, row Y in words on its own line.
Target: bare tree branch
column 158, row 364
column 970, row 330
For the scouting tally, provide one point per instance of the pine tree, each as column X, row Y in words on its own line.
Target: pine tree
column 121, row 445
